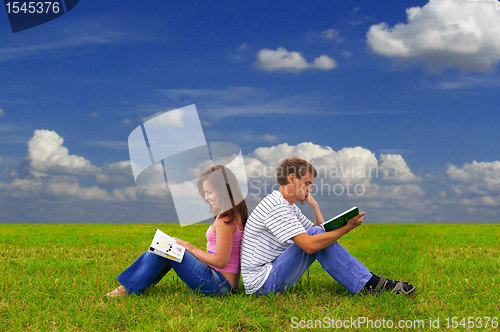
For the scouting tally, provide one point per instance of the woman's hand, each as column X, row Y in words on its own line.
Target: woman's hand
column 189, row 247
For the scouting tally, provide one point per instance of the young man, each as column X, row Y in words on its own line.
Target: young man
column 280, row 243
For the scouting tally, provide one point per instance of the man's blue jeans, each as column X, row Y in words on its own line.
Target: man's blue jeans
column 150, row 268
column 339, row 264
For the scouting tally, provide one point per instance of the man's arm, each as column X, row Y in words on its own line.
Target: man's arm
column 318, row 216
column 314, row 243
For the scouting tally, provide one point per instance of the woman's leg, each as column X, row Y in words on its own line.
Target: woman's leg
column 200, row 277
column 146, row 270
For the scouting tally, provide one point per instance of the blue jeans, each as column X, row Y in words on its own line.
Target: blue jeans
column 339, row 264
column 150, row 268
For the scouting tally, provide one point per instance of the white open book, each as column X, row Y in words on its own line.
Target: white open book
column 165, row 246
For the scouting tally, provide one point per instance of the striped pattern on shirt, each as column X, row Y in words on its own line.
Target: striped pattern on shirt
column 268, row 233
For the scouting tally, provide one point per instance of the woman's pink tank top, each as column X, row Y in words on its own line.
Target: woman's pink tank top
column 234, row 260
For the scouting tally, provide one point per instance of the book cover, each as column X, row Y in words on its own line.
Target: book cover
column 341, row 219
column 165, row 246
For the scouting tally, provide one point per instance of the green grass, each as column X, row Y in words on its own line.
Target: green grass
column 55, row 277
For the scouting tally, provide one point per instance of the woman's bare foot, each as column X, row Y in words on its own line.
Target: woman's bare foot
column 120, row 291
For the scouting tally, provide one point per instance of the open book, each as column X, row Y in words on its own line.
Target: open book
column 165, row 246
column 341, row 219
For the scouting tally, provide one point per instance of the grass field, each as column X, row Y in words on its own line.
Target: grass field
column 55, row 277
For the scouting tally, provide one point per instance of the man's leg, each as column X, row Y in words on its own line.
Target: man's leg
column 287, row 269
column 341, row 265
column 292, row 264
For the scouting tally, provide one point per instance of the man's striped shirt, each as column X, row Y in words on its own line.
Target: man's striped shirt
column 268, row 233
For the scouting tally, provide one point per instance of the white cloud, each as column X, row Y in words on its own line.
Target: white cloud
column 74, row 190
column 453, row 85
column 444, row 33
column 269, row 138
column 323, row 62
column 354, row 164
column 117, row 174
column 53, row 172
column 482, row 176
column 394, row 168
column 94, row 115
column 136, row 193
column 127, row 122
column 469, row 82
column 48, row 155
column 332, row 34
column 345, row 178
column 400, row 192
column 281, row 59
column 242, row 46
column 21, row 188
column 396, row 151
column 169, row 119
column 2, row 113
column 347, row 54
column 275, row 154
column 346, row 165
column 473, row 189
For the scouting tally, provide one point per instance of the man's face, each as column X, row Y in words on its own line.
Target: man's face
column 303, row 186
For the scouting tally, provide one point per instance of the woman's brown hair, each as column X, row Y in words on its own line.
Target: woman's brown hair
column 223, row 180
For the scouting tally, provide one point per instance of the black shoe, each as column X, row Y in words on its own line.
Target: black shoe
column 393, row 286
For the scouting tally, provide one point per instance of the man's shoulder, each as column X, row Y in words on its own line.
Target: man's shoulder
column 276, row 198
column 271, row 201
column 269, row 205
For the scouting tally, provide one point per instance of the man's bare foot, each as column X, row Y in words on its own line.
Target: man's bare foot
column 120, row 291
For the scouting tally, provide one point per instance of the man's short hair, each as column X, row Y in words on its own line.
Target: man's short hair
column 297, row 166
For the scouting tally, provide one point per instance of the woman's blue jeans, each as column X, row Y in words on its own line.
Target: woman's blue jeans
column 150, row 268
column 291, row 265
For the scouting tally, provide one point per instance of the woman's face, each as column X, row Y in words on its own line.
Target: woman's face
column 211, row 195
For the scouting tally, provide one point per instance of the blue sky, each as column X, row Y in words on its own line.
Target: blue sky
column 419, row 94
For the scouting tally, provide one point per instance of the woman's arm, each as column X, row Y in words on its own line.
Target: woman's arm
column 224, row 245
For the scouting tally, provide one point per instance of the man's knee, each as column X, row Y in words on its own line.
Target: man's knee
column 315, row 230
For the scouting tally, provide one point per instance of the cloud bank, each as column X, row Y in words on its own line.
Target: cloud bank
column 444, row 33
column 47, row 155
column 53, row 185
column 281, row 59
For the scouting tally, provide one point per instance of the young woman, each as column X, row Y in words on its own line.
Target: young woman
column 215, row 272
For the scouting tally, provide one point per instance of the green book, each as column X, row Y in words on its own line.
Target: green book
column 340, row 220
